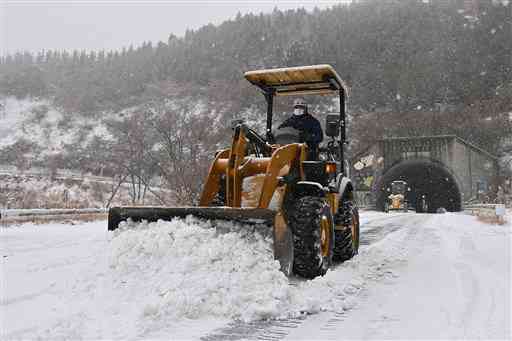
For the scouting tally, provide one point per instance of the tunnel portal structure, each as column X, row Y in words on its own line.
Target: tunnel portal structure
column 447, row 170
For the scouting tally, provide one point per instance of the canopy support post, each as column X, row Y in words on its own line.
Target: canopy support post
column 269, row 97
column 342, row 130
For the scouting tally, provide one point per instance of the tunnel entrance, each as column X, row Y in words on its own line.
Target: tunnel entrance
column 424, row 177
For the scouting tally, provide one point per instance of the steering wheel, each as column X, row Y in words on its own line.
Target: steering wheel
column 257, row 144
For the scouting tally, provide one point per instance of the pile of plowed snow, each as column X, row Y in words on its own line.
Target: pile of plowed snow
column 185, row 268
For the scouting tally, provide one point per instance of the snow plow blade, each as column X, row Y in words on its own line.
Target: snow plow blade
column 244, row 215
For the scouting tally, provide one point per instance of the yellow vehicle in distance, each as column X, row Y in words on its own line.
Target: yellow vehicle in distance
column 396, row 200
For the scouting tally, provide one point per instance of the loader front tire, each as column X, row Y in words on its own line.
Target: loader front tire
column 313, row 236
column 346, row 240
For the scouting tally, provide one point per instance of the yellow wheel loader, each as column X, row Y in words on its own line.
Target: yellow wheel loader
column 397, row 199
column 308, row 204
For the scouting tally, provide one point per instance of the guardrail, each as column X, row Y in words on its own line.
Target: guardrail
column 58, row 174
column 492, row 213
column 48, row 211
column 17, row 216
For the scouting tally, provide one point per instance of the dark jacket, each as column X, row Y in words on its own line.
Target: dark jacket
column 310, row 128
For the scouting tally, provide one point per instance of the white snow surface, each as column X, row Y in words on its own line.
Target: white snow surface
column 418, row 276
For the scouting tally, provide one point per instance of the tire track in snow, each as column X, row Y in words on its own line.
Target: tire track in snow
column 260, row 330
column 330, row 328
column 19, row 334
column 26, row 297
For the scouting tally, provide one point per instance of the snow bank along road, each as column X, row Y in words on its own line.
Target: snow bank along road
column 416, row 276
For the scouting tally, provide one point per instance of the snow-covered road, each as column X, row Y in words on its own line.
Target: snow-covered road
column 417, row 276
column 450, row 279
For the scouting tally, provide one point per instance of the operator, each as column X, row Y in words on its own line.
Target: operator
column 308, row 126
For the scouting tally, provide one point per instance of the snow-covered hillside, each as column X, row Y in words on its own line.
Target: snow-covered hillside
column 36, row 120
column 417, row 276
column 38, row 142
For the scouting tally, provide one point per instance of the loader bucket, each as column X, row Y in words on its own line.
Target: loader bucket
column 243, row 215
column 270, row 220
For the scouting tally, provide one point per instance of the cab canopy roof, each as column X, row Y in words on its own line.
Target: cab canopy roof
column 302, row 80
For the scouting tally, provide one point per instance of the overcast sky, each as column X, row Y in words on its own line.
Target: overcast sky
column 110, row 24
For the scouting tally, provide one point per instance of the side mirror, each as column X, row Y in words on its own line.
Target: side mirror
column 332, row 125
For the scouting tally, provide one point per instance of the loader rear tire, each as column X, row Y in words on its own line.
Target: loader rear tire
column 346, row 241
column 313, row 236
